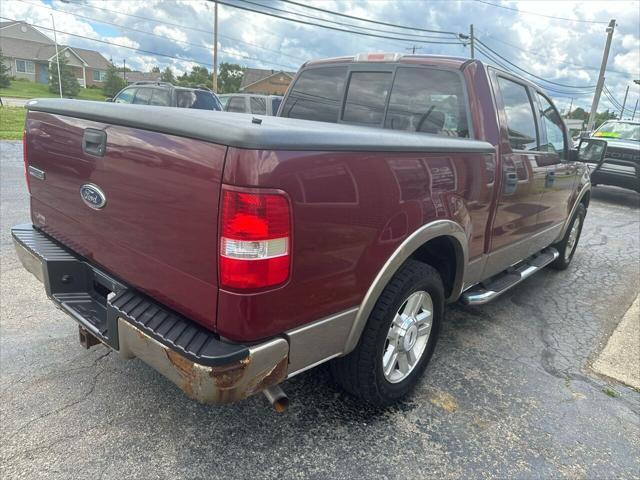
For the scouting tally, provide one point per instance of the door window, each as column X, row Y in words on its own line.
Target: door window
column 126, row 96
column 316, row 95
column 552, row 123
column 366, row 97
column 161, row 97
column 237, row 104
column 258, row 105
column 521, row 122
column 428, row 100
column 143, row 96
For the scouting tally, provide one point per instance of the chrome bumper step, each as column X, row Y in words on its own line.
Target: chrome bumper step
column 486, row 291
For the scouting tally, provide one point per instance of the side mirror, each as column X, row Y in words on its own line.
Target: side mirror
column 108, row 99
column 590, row 150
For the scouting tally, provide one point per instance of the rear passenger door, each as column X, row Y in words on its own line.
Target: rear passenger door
column 523, row 173
column 554, row 155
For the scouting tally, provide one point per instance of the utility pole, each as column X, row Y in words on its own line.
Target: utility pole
column 55, row 39
column 472, row 41
column 413, row 49
column 124, row 70
column 634, row 111
column 215, row 47
column 600, row 84
column 570, row 105
column 624, row 102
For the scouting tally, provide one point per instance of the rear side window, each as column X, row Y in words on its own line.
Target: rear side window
column 199, row 99
column 521, row 122
column 143, row 95
column 316, row 95
column 366, row 97
column 258, row 105
column 428, row 100
column 161, row 97
column 552, row 123
column 237, row 105
column 126, row 96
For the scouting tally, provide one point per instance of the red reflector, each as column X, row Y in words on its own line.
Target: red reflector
column 255, row 239
column 24, row 159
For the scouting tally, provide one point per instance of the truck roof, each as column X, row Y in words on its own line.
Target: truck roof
column 447, row 60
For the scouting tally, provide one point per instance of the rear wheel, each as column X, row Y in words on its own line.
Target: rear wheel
column 399, row 337
column 567, row 246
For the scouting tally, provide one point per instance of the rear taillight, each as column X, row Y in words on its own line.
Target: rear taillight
column 24, row 158
column 255, row 239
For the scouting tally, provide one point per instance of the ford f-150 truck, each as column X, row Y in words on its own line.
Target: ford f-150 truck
column 232, row 252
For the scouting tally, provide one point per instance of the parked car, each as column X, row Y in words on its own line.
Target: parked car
column 258, row 248
column 255, row 104
column 165, row 94
column 621, row 166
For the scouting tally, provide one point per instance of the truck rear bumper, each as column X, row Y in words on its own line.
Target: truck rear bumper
column 206, row 368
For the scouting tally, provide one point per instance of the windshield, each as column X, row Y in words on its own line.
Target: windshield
column 621, row 130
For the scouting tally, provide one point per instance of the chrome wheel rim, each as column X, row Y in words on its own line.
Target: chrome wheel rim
column 408, row 336
column 573, row 238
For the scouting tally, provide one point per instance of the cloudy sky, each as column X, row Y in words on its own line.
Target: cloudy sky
column 558, row 41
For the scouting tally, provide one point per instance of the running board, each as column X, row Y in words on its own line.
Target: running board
column 494, row 287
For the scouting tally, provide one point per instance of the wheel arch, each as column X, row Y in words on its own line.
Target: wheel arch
column 419, row 245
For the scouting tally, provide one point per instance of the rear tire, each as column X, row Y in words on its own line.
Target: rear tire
column 567, row 246
column 411, row 304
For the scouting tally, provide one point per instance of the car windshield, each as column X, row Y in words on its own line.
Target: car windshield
column 621, row 130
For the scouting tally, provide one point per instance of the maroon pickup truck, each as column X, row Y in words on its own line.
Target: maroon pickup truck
column 232, row 252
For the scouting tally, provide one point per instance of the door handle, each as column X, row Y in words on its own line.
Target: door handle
column 94, row 142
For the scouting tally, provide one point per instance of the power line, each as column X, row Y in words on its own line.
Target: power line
column 368, row 29
column 540, row 14
column 163, row 22
column 304, row 22
column 405, row 27
column 546, row 57
column 148, row 52
column 531, row 74
column 547, row 88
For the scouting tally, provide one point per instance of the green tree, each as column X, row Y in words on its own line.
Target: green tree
column 5, row 81
column 602, row 117
column 113, row 83
column 199, row 76
column 156, row 69
column 167, row 76
column 230, row 77
column 70, row 85
column 579, row 114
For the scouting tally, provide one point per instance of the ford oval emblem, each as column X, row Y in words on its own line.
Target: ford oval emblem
column 93, row 196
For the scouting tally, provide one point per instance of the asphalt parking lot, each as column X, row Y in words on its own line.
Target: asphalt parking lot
column 509, row 392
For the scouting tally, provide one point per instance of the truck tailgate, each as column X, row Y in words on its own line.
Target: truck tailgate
column 157, row 229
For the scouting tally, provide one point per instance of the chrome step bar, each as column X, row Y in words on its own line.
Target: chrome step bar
column 484, row 292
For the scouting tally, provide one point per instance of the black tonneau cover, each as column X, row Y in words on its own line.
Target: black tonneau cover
column 263, row 133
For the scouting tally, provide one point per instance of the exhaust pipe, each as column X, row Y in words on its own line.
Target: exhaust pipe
column 277, row 398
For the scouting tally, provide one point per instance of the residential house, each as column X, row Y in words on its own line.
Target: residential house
column 134, row 76
column 29, row 54
column 267, row 82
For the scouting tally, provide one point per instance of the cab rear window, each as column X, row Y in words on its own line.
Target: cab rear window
column 419, row 99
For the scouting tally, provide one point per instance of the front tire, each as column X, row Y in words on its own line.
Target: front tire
column 399, row 338
column 567, row 246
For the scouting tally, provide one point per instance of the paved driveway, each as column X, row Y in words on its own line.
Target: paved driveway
column 508, row 393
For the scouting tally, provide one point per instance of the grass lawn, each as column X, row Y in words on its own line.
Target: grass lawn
column 21, row 89
column 11, row 122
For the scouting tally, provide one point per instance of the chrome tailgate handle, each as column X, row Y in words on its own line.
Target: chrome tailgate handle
column 94, row 142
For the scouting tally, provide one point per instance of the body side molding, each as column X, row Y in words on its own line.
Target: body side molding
column 435, row 229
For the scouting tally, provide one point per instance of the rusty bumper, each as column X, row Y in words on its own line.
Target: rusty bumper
column 265, row 366
column 205, row 367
